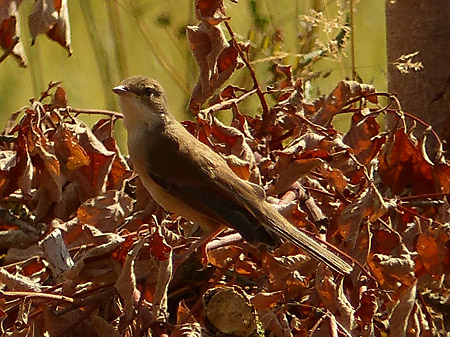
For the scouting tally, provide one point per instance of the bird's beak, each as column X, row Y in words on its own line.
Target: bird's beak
column 120, row 89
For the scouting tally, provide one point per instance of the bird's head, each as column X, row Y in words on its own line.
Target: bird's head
column 142, row 100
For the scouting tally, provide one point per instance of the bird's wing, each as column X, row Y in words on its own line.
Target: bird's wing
column 212, row 190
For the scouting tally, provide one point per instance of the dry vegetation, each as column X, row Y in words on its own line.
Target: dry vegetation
column 87, row 252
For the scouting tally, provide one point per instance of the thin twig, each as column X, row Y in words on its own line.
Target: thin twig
column 264, row 105
column 357, row 99
column 386, row 226
column 418, row 120
column 93, row 112
column 424, row 196
column 400, row 208
column 30, row 294
column 90, row 299
column 228, row 103
column 316, row 127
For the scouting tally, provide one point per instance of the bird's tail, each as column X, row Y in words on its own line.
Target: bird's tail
column 283, row 229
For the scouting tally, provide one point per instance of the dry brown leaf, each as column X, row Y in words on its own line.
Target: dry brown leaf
column 18, row 282
column 388, row 269
column 25, row 169
column 207, row 43
column 401, row 165
column 13, row 237
column 367, row 308
column 336, row 100
column 53, row 324
column 270, row 316
column 120, row 170
column 103, row 246
column 56, row 253
column 92, row 179
column 69, row 202
column 368, row 207
column 287, row 276
column 211, row 11
column 432, row 249
column 335, row 178
column 290, row 168
column 15, row 254
column 69, row 150
column 50, row 180
column 52, row 18
column 10, row 30
column 165, row 274
column 235, row 146
column 294, row 100
column 59, row 99
column 16, row 170
column 442, row 177
column 107, row 211
column 240, row 167
column 223, row 256
column 326, row 287
column 363, row 137
column 126, row 282
column 400, row 316
column 184, row 314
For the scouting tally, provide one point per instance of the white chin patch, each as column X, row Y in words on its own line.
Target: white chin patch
column 137, row 114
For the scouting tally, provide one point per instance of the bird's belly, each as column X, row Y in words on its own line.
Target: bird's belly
column 175, row 205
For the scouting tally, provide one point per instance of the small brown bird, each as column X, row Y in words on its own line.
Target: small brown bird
column 189, row 179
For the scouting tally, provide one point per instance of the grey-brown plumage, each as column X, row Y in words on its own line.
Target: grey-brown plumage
column 189, row 179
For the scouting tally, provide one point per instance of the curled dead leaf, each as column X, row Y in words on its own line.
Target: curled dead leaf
column 106, row 211
column 10, row 30
column 52, row 18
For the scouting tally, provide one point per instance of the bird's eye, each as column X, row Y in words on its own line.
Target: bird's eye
column 150, row 91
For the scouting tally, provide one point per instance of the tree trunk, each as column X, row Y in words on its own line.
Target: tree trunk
column 423, row 26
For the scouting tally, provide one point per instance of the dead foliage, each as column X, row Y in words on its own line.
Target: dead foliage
column 87, row 252
column 48, row 17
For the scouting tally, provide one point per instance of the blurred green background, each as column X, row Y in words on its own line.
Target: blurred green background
column 115, row 39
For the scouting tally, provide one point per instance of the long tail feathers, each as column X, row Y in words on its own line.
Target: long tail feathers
column 312, row 247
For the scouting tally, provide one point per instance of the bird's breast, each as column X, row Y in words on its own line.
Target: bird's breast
column 137, row 143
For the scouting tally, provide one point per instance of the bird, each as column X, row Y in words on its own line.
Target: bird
column 189, row 179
